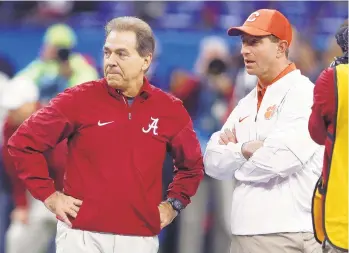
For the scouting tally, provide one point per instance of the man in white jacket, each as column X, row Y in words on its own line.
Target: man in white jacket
column 266, row 147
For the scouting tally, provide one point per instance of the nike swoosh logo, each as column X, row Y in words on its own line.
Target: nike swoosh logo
column 105, row 123
column 241, row 119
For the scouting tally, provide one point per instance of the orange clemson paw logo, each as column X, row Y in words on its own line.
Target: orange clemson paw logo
column 270, row 112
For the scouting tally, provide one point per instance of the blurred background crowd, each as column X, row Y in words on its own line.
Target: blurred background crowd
column 48, row 46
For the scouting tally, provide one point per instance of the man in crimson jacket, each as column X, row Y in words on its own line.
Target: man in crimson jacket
column 118, row 129
column 32, row 225
column 323, row 119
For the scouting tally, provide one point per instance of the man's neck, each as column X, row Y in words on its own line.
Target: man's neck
column 134, row 87
column 273, row 72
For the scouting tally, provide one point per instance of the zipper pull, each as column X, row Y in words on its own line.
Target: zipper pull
column 129, row 116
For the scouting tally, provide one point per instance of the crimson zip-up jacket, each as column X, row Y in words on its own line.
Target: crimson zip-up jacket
column 115, row 155
column 323, row 116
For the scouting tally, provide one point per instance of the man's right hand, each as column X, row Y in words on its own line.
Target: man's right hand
column 63, row 205
column 227, row 136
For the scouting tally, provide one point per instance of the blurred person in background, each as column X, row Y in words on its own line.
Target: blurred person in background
column 265, row 145
column 6, row 204
column 304, row 56
column 243, row 84
column 7, row 71
column 119, row 129
column 205, row 94
column 328, row 125
column 334, row 49
column 32, row 225
column 58, row 66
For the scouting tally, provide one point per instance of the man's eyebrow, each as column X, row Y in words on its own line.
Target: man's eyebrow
column 121, row 49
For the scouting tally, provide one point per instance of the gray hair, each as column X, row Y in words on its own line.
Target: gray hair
column 145, row 41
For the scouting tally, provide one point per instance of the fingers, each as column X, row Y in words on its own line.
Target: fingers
column 223, row 139
column 226, row 137
column 234, row 133
column 167, row 214
column 230, row 135
column 64, row 218
column 75, row 208
column 76, row 202
column 71, row 212
column 72, row 206
column 164, row 222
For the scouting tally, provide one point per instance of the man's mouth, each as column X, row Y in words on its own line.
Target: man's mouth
column 249, row 61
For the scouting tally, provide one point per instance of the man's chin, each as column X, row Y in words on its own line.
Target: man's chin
column 251, row 71
column 112, row 82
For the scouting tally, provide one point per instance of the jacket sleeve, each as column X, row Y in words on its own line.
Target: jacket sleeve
column 17, row 186
column 323, row 109
column 40, row 132
column 221, row 161
column 288, row 147
column 186, row 153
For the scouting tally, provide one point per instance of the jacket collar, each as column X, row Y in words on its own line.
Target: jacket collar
column 145, row 92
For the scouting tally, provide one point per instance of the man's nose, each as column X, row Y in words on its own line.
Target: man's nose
column 112, row 60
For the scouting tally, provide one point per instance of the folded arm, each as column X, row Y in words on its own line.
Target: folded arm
column 287, row 148
column 222, row 160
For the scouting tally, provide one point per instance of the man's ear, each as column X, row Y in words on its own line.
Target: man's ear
column 147, row 62
column 282, row 48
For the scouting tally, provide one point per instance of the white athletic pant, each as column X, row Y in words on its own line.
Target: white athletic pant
column 70, row 240
column 34, row 237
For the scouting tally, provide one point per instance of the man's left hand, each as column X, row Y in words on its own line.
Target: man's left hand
column 250, row 147
column 167, row 214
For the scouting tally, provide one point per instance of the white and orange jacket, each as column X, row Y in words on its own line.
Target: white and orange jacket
column 274, row 187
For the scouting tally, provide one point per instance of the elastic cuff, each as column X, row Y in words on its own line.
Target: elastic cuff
column 45, row 193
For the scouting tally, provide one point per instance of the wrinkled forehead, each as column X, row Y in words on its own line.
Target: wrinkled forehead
column 120, row 39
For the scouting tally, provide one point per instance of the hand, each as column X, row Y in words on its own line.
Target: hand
column 63, row 205
column 227, row 136
column 20, row 214
column 248, row 148
column 167, row 214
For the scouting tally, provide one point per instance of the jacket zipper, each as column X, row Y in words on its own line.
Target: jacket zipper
column 128, row 108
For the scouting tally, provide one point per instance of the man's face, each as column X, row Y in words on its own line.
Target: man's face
column 48, row 52
column 122, row 63
column 259, row 54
